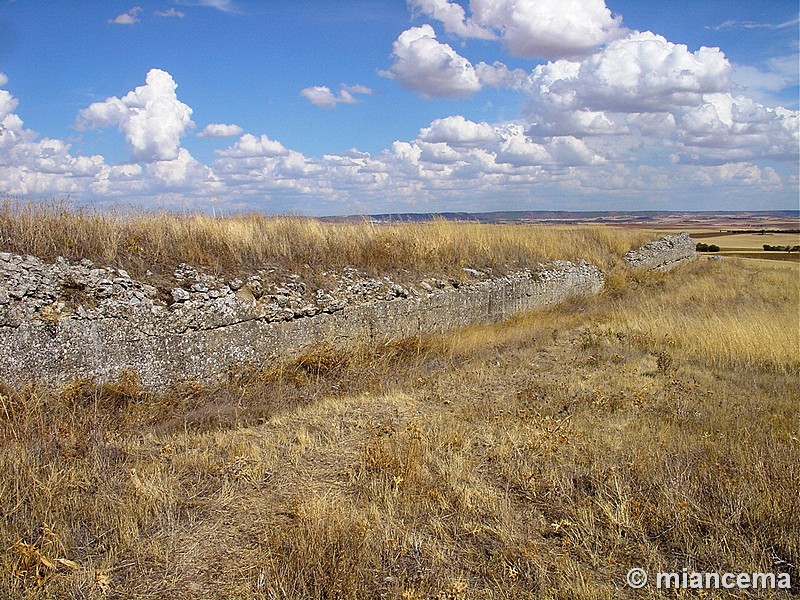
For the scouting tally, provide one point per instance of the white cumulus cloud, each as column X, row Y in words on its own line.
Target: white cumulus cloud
column 250, row 146
column 434, row 69
column 29, row 166
column 322, row 96
column 127, row 18
column 151, row 117
column 7, row 104
column 498, row 75
column 727, row 128
column 182, row 171
column 220, row 130
column 458, row 131
column 641, row 73
column 453, row 17
column 473, row 149
column 656, row 93
column 531, row 28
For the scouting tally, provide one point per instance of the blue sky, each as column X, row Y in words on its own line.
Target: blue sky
column 360, row 106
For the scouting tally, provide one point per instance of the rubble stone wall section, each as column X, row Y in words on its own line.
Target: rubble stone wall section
column 62, row 321
column 663, row 254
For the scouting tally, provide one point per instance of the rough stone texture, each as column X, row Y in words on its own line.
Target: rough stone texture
column 66, row 321
column 663, row 254
column 61, row 321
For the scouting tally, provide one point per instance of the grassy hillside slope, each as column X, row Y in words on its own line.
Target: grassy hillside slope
column 653, row 426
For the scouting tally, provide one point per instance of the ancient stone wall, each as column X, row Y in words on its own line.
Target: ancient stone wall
column 65, row 321
column 62, row 321
column 663, row 254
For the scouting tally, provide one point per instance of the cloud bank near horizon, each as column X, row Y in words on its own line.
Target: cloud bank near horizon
column 611, row 111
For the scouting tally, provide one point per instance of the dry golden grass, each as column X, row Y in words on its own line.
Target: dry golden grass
column 655, row 425
column 159, row 241
column 710, row 319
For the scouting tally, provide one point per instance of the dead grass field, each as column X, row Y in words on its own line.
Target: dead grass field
column 156, row 242
column 656, row 425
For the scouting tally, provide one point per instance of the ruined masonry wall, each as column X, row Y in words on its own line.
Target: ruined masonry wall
column 61, row 321
column 663, row 254
column 64, row 321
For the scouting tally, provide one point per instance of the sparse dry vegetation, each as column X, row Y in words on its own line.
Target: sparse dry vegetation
column 140, row 241
column 656, row 425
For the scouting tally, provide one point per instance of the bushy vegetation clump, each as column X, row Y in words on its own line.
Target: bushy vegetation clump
column 702, row 247
column 768, row 248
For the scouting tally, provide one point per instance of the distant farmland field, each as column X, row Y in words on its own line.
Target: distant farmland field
column 750, row 241
column 750, row 245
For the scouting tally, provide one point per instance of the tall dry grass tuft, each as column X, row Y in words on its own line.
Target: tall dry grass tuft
column 159, row 241
column 709, row 317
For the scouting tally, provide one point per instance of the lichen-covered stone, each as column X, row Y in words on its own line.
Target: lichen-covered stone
column 62, row 321
column 663, row 254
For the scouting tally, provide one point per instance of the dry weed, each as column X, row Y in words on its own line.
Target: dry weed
column 139, row 242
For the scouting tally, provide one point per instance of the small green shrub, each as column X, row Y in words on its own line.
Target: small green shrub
column 768, row 248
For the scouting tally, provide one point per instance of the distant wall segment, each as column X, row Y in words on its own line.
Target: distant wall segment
column 663, row 254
